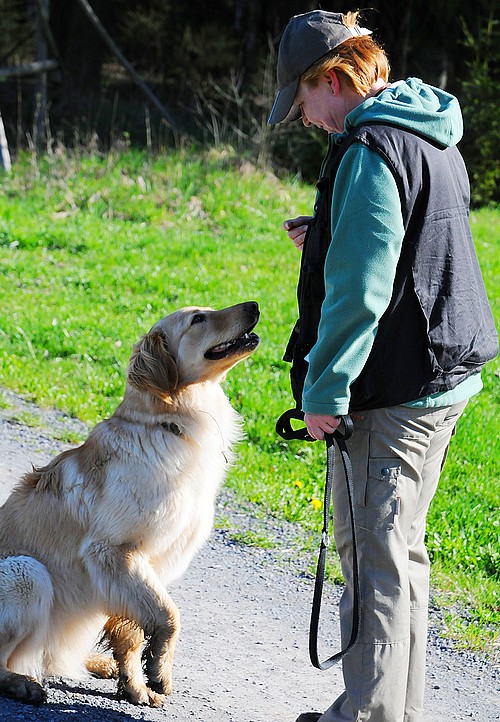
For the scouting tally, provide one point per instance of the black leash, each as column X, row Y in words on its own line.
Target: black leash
column 344, row 431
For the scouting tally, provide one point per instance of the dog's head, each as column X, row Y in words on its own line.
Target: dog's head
column 193, row 345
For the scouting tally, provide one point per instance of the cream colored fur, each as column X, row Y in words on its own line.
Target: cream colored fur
column 93, row 539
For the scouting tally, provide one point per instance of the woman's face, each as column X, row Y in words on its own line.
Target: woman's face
column 324, row 105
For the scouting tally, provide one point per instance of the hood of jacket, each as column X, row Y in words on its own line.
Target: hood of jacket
column 413, row 105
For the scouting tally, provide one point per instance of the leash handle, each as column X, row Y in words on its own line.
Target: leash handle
column 285, row 429
column 320, row 571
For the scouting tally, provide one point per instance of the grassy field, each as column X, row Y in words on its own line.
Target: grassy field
column 93, row 250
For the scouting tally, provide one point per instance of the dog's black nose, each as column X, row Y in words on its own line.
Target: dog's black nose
column 254, row 308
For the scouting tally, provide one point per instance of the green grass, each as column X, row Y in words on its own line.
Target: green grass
column 93, row 250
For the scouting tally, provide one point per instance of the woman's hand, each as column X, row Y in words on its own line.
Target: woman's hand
column 319, row 425
column 296, row 229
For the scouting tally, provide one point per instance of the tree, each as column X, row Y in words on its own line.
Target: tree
column 82, row 54
column 212, row 63
column 481, row 145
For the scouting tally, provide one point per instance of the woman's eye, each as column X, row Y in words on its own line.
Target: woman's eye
column 197, row 318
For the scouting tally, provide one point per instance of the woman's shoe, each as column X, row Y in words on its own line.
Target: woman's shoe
column 309, row 717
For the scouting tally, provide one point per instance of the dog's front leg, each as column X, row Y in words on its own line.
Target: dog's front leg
column 140, row 609
column 126, row 639
column 159, row 659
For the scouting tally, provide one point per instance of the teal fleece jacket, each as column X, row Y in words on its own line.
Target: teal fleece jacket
column 367, row 235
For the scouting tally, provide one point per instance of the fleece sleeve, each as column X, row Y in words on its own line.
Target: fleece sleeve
column 367, row 234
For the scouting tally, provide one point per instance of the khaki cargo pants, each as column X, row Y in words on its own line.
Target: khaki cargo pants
column 397, row 455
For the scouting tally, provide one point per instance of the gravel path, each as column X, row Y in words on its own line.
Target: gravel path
column 242, row 655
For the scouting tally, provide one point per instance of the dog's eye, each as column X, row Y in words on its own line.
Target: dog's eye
column 197, row 318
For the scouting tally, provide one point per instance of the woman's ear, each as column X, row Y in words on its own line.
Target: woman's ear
column 333, row 81
column 152, row 366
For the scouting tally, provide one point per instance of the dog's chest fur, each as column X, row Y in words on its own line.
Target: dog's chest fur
column 160, row 479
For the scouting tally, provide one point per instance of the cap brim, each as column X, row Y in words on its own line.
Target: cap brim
column 293, row 115
column 283, row 105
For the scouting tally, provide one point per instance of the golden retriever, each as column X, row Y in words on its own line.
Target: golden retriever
column 89, row 542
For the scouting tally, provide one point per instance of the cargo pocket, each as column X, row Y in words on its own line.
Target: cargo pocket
column 381, row 501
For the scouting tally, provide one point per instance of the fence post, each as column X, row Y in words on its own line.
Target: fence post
column 4, row 149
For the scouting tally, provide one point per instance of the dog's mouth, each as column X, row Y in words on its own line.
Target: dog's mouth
column 246, row 343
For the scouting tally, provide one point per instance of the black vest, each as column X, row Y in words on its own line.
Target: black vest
column 438, row 328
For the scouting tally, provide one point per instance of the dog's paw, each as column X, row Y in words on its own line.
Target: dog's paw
column 102, row 666
column 21, row 688
column 141, row 695
column 155, row 699
column 162, row 687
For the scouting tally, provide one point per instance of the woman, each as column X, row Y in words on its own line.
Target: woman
column 394, row 329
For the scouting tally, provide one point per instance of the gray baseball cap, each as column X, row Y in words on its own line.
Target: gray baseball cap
column 305, row 40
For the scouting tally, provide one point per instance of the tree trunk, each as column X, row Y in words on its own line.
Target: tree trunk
column 82, row 55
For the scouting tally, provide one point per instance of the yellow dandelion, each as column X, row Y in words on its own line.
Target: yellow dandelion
column 298, row 483
column 316, row 503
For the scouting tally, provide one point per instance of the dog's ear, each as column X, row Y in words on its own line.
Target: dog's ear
column 152, row 366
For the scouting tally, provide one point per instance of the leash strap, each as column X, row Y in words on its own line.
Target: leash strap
column 320, row 571
column 285, row 429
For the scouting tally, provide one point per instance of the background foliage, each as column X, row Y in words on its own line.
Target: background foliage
column 212, row 64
